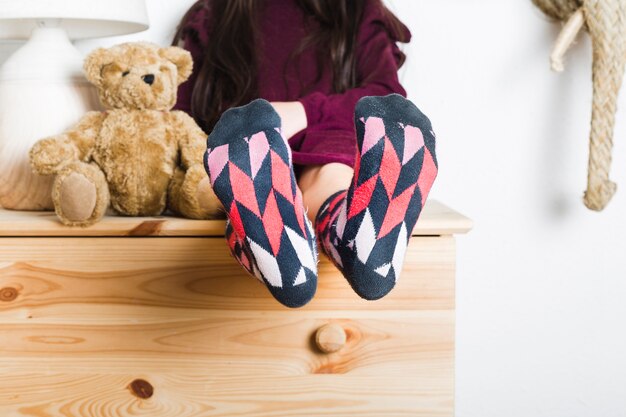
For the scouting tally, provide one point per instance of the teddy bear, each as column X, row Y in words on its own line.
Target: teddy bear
column 138, row 155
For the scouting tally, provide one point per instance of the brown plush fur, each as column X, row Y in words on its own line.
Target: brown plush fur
column 138, row 155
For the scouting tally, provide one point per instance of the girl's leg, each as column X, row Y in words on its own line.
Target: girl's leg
column 365, row 228
column 318, row 182
column 249, row 165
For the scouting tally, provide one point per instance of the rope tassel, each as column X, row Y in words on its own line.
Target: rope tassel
column 605, row 20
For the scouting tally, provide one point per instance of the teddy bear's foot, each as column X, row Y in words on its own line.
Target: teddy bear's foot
column 80, row 194
column 191, row 195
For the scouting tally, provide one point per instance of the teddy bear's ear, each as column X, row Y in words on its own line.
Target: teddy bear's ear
column 93, row 65
column 181, row 58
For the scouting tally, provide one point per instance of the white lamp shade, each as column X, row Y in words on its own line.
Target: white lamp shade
column 80, row 18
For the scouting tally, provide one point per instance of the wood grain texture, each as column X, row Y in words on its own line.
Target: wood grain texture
column 250, row 367
column 172, row 326
column 436, row 219
column 79, row 277
column 272, row 345
column 193, row 394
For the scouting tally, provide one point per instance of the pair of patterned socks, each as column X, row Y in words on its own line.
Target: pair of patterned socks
column 363, row 230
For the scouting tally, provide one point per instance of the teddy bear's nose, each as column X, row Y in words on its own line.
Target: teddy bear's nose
column 148, row 79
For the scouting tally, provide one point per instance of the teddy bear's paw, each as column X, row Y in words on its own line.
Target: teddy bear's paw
column 78, row 197
column 80, row 194
column 48, row 155
column 191, row 195
column 207, row 201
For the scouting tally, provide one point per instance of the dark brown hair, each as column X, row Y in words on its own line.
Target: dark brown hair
column 227, row 77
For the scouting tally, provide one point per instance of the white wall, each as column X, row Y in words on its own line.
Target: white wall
column 541, row 280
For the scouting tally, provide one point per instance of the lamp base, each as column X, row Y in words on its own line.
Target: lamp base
column 42, row 93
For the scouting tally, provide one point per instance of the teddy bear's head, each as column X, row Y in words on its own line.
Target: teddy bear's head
column 138, row 75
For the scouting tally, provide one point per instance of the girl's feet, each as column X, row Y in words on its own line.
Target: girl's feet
column 249, row 165
column 365, row 230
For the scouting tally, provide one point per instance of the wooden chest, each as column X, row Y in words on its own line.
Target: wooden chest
column 152, row 317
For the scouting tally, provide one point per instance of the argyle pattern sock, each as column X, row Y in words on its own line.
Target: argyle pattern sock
column 249, row 165
column 365, row 230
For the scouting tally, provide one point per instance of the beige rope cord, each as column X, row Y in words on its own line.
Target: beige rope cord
column 605, row 20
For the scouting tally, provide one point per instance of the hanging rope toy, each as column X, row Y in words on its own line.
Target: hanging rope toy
column 605, row 20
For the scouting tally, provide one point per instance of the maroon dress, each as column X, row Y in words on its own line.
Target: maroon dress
column 330, row 133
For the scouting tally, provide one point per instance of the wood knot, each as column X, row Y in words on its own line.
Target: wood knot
column 147, row 228
column 141, row 388
column 8, row 294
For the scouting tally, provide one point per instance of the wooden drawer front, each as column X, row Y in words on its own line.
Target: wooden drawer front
column 397, row 364
column 82, row 318
column 85, row 273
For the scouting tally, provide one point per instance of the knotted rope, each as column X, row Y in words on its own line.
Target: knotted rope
column 605, row 21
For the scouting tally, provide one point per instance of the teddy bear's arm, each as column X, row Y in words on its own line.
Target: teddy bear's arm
column 48, row 155
column 192, row 140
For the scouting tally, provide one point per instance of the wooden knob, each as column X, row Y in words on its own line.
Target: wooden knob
column 330, row 338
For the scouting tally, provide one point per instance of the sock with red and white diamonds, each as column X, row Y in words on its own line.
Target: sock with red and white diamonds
column 249, row 165
column 365, row 229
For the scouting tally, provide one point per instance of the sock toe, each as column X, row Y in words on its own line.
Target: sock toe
column 370, row 285
column 391, row 108
column 247, row 120
column 296, row 296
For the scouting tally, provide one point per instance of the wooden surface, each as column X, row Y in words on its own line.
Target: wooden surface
column 260, row 367
column 171, row 326
column 79, row 274
column 436, row 219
